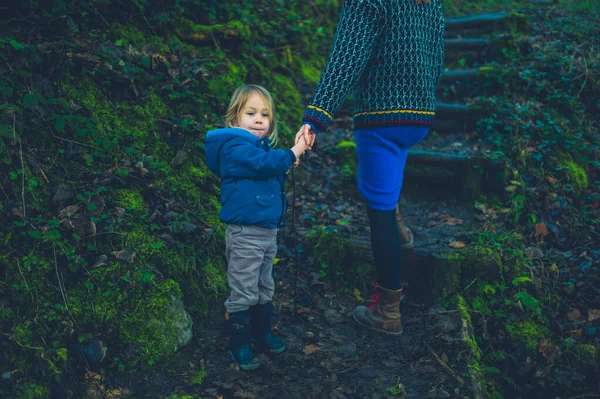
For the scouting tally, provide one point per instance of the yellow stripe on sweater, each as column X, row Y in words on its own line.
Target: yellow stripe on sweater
column 321, row 110
column 401, row 111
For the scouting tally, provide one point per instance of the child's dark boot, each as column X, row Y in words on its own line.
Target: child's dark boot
column 260, row 316
column 238, row 328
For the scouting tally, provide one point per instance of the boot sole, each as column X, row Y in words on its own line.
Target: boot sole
column 272, row 351
column 375, row 328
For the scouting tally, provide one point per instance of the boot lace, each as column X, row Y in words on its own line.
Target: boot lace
column 375, row 297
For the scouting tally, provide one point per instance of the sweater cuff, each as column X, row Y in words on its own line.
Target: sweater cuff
column 317, row 118
column 292, row 156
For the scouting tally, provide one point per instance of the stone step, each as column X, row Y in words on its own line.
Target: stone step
column 459, row 75
column 456, row 164
column 483, row 24
column 476, row 50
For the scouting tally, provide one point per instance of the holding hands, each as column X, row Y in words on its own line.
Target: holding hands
column 305, row 138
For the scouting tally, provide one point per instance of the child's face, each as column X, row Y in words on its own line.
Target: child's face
column 255, row 116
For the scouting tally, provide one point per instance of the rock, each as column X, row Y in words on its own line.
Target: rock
column 180, row 158
column 101, row 261
column 177, row 326
column 69, row 211
column 119, row 212
column 93, row 351
column 125, row 256
column 534, row 253
column 309, row 335
column 6, row 375
column 333, row 317
column 62, row 194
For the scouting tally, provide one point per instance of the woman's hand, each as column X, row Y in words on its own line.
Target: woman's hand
column 309, row 135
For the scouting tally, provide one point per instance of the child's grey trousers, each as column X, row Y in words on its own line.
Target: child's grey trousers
column 250, row 254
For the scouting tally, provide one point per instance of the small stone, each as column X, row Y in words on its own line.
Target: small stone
column 119, row 212
column 101, row 261
column 6, row 375
column 333, row 317
column 533, row 253
column 309, row 335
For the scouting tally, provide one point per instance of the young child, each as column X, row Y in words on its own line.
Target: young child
column 253, row 204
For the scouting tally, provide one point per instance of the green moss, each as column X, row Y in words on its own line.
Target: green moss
column 348, row 159
column 586, row 353
column 311, row 72
column 576, row 173
column 528, row 332
column 337, row 260
column 189, row 31
column 130, row 35
column 465, row 265
column 34, row 391
column 128, row 199
column 199, row 378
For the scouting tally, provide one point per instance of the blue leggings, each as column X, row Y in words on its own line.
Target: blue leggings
column 382, row 156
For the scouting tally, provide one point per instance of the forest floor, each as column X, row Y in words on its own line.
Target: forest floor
column 328, row 355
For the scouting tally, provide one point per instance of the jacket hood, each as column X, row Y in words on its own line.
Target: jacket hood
column 216, row 139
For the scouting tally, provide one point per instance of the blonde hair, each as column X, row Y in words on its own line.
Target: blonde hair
column 238, row 101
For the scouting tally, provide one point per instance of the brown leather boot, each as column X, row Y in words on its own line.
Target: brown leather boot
column 406, row 235
column 384, row 314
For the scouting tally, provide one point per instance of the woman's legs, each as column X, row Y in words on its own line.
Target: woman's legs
column 382, row 157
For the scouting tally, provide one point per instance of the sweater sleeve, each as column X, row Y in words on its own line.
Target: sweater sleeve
column 247, row 161
column 355, row 36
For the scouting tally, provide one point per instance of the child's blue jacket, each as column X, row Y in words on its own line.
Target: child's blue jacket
column 252, row 176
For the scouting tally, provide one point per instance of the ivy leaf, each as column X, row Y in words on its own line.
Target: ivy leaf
column 59, row 124
column 30, row 100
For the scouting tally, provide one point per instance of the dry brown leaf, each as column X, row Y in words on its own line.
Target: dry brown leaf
column 551, row 180
column 541, row 229
column 310, row 349
column 302, row 309
column 452, row 221
column 457, row 244
column 593, row 314
column 576, row 334
column 548, row 349
column 574, row 314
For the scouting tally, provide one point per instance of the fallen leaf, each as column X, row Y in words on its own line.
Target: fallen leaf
column 593, row 314
column 548, row 349
column 576, row 334
column 554, row 268
column 451, row 221
column 541, row 229
column 310, row 349
column 357, row 295
column 457, row 244
column 68, row 211
column 302, row 309
column 574, row 314
column 277, row 260
column 551, row 180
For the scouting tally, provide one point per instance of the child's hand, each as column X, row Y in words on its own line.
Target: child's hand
column 299, row 150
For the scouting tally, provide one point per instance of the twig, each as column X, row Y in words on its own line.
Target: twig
column 470, row 284
column 78, row 143
column 444, row 365
column 22, row 179
column 148, row 22
column 25, row 280
column 98, row 12
column 60, row 285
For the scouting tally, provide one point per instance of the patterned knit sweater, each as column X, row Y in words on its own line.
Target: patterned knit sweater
column 391, row 53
